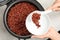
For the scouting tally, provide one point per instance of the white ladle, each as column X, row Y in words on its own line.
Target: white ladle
column 44, row 21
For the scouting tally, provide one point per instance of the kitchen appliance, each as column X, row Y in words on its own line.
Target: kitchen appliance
column 9, row 5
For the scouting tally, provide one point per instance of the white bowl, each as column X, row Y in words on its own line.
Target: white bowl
column 44, row 21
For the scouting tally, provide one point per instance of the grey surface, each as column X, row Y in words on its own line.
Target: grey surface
column 1, row 0
column 55, row 17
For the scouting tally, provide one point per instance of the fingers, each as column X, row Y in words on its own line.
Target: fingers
column 47, row 35
column 41, row 36
column 57, row 0
column 57, row 9
column 55, row 6
column 35, row 36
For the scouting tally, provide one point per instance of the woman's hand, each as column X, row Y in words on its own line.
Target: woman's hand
column 57, row 0
column 55, row 6
column 52, row 33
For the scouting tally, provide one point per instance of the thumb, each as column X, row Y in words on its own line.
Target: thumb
column 57, row 9
column 40, row 36
column 35, row 36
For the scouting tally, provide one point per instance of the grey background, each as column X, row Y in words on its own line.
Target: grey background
column 55, row 18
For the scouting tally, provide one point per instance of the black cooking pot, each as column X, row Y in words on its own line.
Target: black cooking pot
column 9, row 5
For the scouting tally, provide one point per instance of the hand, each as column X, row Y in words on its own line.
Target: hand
column 52, row 33
column 57, row 0
column 55, row 6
